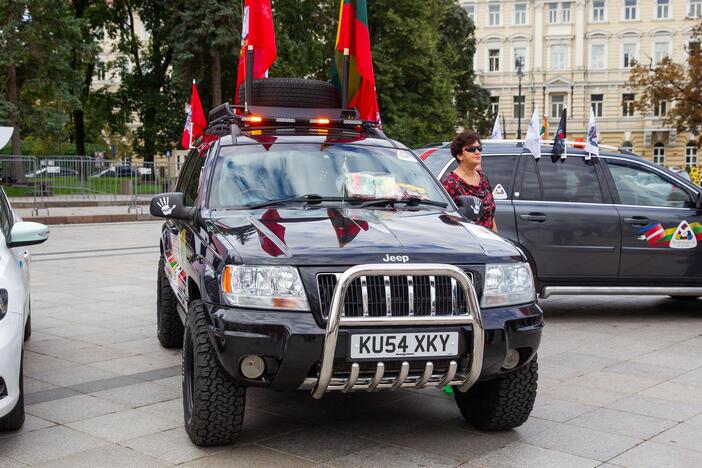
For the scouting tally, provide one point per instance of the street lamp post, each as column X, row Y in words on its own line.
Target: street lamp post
column 520, row 108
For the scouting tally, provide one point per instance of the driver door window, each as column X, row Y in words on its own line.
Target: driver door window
column 641, row 187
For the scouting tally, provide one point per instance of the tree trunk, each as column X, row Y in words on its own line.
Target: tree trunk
column 12, row 96
column 79, row 127
column 216, row 79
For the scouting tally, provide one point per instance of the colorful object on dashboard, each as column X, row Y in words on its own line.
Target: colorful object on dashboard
column 657, row 236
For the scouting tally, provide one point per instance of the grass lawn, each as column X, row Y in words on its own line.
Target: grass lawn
column 74, row 185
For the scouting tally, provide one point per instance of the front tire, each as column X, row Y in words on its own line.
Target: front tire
column 169, row 327
column 502, row 403
column 14, row 420
column 213, row 404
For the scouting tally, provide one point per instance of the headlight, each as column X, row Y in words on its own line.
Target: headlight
column 507, row 284
column 264, row 287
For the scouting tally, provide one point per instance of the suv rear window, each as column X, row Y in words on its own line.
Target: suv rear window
column 572, row 180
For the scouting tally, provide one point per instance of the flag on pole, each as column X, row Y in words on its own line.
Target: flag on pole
column 352, row 35
column 195, row 122
column 257, row 31
column 591, row 144
column 532, row 142
column 496, row 129
column 544, row 128
column 559, row 140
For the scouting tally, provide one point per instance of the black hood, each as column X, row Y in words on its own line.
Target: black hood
column 321, row 236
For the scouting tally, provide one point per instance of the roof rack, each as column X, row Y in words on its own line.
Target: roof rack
column 549, row 142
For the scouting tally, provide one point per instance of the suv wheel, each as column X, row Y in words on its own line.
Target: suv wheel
column 213, row 405
column 168, row 324
column 502, row 403
column 14, row 420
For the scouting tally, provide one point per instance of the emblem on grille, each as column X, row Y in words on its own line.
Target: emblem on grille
column 396, row 258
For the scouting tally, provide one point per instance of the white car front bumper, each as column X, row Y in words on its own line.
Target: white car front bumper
column 11, row 337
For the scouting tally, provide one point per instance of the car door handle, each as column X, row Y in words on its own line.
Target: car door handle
column 534, row 217
column 637, row 221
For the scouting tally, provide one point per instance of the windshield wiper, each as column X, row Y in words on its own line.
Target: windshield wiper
column 412, row 201
column 311, row 198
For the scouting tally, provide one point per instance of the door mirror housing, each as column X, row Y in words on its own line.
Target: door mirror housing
column 698, row 201
column 470, row 207
column 26, row 233
column 171, row 205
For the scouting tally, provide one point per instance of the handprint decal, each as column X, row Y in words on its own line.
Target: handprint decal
column 163, row 204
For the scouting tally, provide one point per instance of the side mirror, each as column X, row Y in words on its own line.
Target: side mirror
column 698, row 202
column 171, row 206
column 470, row 207
column 27, row 233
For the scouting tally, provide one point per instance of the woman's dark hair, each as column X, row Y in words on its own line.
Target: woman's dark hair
column 463, row 139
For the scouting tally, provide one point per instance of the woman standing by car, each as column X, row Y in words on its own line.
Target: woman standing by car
column 468, row 179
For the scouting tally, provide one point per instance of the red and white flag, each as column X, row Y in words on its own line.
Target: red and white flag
column 195, row 122
column 257, row 31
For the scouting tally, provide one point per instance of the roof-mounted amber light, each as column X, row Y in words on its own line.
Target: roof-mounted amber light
column 321, row 121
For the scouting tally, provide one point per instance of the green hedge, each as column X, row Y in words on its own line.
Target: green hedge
column 37, row 148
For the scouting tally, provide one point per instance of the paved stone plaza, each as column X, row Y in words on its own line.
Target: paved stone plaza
column 620, row 384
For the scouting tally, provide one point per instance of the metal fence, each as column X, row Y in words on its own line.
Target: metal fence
column 42, row 182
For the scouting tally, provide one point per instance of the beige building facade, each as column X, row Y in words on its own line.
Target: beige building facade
column 577, row 54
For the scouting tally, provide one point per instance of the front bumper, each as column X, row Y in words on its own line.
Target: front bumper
column 11, row 337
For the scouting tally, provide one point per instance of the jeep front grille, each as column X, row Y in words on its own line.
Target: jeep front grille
column 395, row 296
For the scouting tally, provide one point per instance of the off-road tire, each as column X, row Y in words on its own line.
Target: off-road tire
column 501, row 403
column 14, row 420
column 292, row 92
column 213, row 405
column 169, row 327
column 28, row 328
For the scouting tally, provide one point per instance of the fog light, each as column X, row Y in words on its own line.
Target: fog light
column 252, row 367
column 511, row 360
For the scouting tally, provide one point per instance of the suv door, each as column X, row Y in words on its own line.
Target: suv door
column 566, row 221
column 661, row 228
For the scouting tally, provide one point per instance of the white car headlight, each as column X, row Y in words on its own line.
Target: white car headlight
column 264, row 287
column 508, row 284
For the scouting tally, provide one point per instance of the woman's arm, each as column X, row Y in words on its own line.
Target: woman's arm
column 494, row 225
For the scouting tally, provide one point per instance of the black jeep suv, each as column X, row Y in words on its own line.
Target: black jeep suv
column 303, row 249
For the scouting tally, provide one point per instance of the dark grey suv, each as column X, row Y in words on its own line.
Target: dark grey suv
column 616, row 224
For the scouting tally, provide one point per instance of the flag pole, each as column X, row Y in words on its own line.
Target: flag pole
column 190, row 131
column 248, row 98
column 345, row 79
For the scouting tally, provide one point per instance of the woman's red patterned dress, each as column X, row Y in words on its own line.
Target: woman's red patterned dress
column 457, row 187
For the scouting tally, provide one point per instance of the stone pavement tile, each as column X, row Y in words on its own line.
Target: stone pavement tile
column 49, row 395
column 583, row 442
column 90, row 318
column 35, row 363
column 521, row 455
column 531, row 427
column 146, row 330
column 265, row 397
column 389, row 456
column 7, row 463
column 657, row 407
column 685, row 435
column 580, row 362
column 175, row 383
column 697, row 420
column 48, row 323
column 559, row 410
column 139, row 346
column 171, row 356
column 67, row 376
column 105, row 384
column 125, row 425
column 654, row 455
column 251, row 456
column 124, row 323
column 675, row 392
column 425, row 408
column 171, row 410
column 95, row 353
column 47, row 444
column 620, row 348
column 259, row 425
column 586, row 396
column 112, row 456
column 32, row 385
column 31, row 423
column 317, row 443
column 686, row 360
column 613, row 382
column 141, row 394
column 108, row 337
column 693, row 377
column 78, row 330
column 644, row 371
column 74, row 408
column 173, row 446
column 54, row 346
column 623, row 423
column 132, row 364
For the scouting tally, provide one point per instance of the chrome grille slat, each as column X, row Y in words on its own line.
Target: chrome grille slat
column 364, row 292
column 454, row 294
column 410, row 295
column 432, row 295
column 388, row 296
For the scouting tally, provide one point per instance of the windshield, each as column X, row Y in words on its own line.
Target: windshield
column 254, row 174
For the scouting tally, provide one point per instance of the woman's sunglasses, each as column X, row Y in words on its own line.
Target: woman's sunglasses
column 473, row 149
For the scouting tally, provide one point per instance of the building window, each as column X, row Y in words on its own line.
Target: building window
column 598, row 11
column 630, row 10
column 494, row 15
column 101, row 71
column 557, row 104
column 597, row 56
column 597, row 101
column 662, row 9
column 558, row 57
column 519, row 54
column 695, row 10
column 659, row 153
column 494, row 60
column 628, row 104
column 520, row 14
column 553, row 13
column 691, row 154
column 519, row 106
column 661, row 50
column 470, row 11
column 660, row 109
column 565, row 12
column 495, row 105
column 630, row 55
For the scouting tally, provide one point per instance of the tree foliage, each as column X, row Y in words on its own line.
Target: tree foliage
column 675, row 83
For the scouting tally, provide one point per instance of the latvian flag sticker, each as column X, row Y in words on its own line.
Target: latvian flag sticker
column 654, row 233
column 684, row 236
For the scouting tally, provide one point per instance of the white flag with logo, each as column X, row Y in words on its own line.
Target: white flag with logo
column 496, row 129
column 592, row 143
column 533, row 135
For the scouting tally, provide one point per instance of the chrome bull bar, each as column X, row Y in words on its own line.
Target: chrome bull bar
column 325, row 382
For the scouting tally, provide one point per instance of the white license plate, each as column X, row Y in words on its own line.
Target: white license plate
column 417, row 344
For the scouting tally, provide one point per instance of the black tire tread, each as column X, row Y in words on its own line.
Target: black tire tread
column 169, row 327
column 292, row 92
column 28, row 328
column 218, row 403
column 502, row 403
column 14, row 420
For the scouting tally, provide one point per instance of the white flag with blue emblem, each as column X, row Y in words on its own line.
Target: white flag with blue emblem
column 592, row 144
column 533, row 135
column 496, row 129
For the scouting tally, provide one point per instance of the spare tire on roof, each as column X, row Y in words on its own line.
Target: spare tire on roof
column 292, row 92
